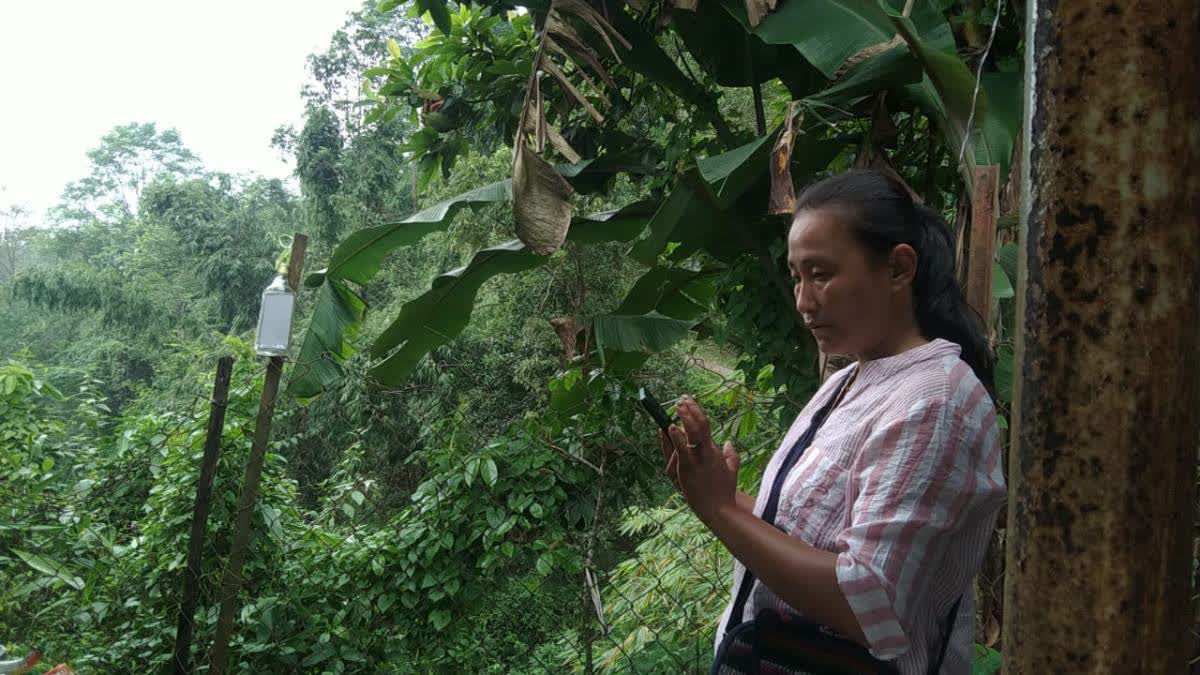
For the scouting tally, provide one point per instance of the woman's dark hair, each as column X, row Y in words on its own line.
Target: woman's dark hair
column 882, row 214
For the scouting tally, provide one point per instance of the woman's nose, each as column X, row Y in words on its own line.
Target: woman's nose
column 805, row 301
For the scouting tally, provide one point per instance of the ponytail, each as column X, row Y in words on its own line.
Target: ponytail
column 883, row 215
column 941, row 308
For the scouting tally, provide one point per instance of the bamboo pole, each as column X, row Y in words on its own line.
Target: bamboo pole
column 208, row 469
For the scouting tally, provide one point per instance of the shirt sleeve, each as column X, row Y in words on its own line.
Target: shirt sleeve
column 913, row 481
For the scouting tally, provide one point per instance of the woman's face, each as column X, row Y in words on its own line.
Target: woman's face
column 843, row 297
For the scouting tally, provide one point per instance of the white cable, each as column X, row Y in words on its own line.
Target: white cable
column 978, row 79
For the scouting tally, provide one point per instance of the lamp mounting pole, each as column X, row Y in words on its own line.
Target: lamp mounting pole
column 232, row 581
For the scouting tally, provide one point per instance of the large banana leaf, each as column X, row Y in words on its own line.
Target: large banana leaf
column 732, row 173
column 440, row 314
column 1002, row 286
column 835, row 34
column 327, row 344
column 700, row 212
column 691, row 201
column 1002, row 125
column 829, row 32
column 621, row 225
column 359, row 255
column 339, row 309
column 646, row 57
column 1006, row 256
column 893, row 67
column 657, row 311
column 592, row 175
column 650, row 332
column 738, row 171
column 671, row 291
column 739, row 59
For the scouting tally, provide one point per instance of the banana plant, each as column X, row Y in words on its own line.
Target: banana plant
column 835, row 58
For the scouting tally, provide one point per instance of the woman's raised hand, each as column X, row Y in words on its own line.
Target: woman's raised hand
column 706, row 475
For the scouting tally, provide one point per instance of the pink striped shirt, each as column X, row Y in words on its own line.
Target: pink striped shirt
column 903, row 482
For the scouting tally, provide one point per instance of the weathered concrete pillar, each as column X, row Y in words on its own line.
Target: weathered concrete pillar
column 1107, row 406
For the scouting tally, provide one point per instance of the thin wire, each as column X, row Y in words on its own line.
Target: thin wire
column 978, row 79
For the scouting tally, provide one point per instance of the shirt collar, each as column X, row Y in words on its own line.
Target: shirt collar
column 879, row 370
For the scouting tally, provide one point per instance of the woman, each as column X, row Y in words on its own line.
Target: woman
column 883, row 522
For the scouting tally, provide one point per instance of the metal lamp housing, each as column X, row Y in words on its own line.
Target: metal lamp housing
column 275, row 319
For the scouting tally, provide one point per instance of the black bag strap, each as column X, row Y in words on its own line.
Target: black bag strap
column 772, row 505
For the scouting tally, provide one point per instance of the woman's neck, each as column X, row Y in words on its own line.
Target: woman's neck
column 897, row 344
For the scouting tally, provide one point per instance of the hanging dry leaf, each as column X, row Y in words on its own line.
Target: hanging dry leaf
column 536, row 124
column 574, row 57
column 878, row 161
column 541, row 202
column 687, row 5
column 567, row 43
column 560, row 144
column 872, row 155
column 992, row 632
column 567, row 328
column 757, row 9
column 549, row 67
column 783, row 192
column 884, row 132
column 598, row 23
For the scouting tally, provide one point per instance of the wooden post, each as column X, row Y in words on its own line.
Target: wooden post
column 984, row 206
column 208, row 468
column 231, row 583
column 1107, row 398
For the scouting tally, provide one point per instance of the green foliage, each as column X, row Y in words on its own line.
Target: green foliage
column 82, row 288
column 318, row 159
column 128, row 157
column 20, row 392
column 490, row 55
column 226, row 235
column 444, row 521
column 987, row 661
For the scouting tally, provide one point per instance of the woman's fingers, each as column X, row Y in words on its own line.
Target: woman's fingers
column 732, row 459
column 701, row 420
column 696, row 424
column 682, row 448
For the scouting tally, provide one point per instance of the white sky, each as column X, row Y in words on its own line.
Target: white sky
column 225, row 73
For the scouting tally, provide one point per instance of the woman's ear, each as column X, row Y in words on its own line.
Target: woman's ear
column 903, row 264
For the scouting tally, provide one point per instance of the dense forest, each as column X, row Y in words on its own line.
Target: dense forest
column 459, row 479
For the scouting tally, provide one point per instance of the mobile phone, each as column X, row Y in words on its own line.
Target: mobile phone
column 650, row 404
